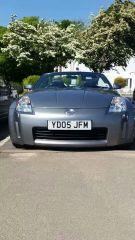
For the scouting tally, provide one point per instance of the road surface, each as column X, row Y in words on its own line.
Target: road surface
column 66, row 195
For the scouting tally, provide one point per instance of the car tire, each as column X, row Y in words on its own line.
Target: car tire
column 127, row 146
column 17, row 145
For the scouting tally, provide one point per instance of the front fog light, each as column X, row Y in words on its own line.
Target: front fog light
column 24, row 105
column 118, row 104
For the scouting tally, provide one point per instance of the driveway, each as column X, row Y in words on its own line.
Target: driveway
column 66, row 195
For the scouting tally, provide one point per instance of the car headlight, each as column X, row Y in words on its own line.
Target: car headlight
column 118, row 104
column 24, row 105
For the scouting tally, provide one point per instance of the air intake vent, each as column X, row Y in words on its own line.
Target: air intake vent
column 94, row 134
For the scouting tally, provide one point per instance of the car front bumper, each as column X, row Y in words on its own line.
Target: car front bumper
column 120, row 127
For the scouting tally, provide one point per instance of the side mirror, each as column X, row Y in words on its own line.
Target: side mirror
column 28, row 87
column 116, row 86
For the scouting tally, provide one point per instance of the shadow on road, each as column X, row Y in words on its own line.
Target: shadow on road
column 4, row 132
column 63, row 149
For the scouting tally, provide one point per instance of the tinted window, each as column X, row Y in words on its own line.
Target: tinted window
column 4, row 89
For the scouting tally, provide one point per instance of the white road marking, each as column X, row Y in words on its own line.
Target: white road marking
column 4, row 141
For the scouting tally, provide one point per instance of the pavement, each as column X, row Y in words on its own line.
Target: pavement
column 65, row 194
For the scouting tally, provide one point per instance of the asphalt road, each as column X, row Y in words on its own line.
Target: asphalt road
column 66, row 195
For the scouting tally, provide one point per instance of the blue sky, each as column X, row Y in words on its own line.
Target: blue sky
column 51, row 9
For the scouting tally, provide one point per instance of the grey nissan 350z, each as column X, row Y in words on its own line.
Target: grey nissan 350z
column 72, row 109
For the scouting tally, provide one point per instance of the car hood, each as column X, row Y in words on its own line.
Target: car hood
column 92, row 98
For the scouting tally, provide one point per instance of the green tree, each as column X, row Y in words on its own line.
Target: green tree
column 109, row 40
column 65, row 23
column 121, row 81
column 33, row 20
column 8, row 65
column 3, row 57
column 30, row 80
column 40, row 48
column 2, row 32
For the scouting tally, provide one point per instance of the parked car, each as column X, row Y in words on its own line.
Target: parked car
column 6, row 98
column 134, row 96
column 72, row 109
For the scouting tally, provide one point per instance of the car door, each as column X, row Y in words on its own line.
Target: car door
column 5, row 99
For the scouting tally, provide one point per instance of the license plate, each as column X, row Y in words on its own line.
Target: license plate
column 69, row 125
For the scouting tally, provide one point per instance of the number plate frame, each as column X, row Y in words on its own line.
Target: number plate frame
column 70, row 125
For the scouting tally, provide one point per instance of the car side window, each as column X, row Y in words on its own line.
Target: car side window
column 4, row 90
column 102, row 83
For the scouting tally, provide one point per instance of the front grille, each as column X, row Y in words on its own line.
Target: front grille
column 94, row 134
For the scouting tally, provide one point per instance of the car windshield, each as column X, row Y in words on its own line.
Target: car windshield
column 72, row 80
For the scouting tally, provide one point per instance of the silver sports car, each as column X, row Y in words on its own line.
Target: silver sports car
column 72, row 109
